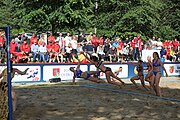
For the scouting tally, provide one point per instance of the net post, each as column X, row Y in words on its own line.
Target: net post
column 9, row 72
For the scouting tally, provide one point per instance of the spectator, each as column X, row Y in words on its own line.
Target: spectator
column 13, row 46
column 2, row 44
column 79, row 48
column 115, row 43
column 172, row 55
column 106, row 49
column 176, row 44
column 140, row 47
column 154, row 44
column 178, row 56
column 166, row 43
column 21, row 57
column 67, row 39
column 125, row 52
column 25, row 48
column 34, row 51
column 57, row 52
column 43, row 54
column 137, row 43
column 148, row 44
column 51, row 38
column 95, row 42
column 170, row 44
column 89, row 48
column 74, row 42
column 127, row 41
column 42, row 40
column 101, row 40
column 162, row 52
column 159, row 44
column 100, row 52
column 18, row 42
column 120, row 48
column 89, row 37
column 50, row 49
column 82, row 39
column 60, row 40
column 33, row 39
column 23, row 37
column 112, row 53
column 168, row 50
column 67, row 54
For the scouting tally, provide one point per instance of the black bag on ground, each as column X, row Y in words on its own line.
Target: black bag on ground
column 54, row 80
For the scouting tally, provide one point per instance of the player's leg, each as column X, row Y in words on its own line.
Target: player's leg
column 133, row 80
column 142, row 82
column 116, row 77
column 156, row 85
column 93, row 79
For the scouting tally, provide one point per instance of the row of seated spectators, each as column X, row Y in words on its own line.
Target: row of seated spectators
column 62, row 49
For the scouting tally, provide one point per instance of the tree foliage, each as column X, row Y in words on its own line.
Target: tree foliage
column 160, row 18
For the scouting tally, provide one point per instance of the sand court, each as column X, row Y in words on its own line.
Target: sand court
column 92, row 101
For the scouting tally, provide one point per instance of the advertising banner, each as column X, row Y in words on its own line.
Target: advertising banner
column 33, row 74
column 172, row 69
column 122, row 68
column 60, row 71
column 146, row 53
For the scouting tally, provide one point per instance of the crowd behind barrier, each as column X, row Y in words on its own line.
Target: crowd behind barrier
column 63, row 49
column 45, row 72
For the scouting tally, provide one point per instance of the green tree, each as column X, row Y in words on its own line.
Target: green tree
column 7, row 13
column 53, row 15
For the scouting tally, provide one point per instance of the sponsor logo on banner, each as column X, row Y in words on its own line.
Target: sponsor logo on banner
column 172, row 69
column 135, row 70
column 56, row 72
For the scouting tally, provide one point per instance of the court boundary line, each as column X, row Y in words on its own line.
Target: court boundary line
column 126, row 92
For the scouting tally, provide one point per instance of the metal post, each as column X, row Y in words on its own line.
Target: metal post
column 96, row 7
column 9, row 72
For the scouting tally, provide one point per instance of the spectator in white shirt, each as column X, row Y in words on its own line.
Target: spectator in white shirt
column 159, row 44
column 34, row 51
column 67, row 39
column 154, row 44
column 43, row 54
column 60, row 39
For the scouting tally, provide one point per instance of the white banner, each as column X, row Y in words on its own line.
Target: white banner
column 122, row 74
column 62, row 71
column 146, row 53
column 172, row 69
column 33, row 74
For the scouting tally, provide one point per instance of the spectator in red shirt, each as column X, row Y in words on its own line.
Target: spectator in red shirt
column 166, row 43
column 95, row 42
column 176, row 44
column 57, row 52
column 13, row 46
column 51, row 38
column 33, row 39
column 25, row 47
column 101, row 40
column 170, row 44
column 50, row 49
column 136, row 44
column 120, row 47
column 21, row 57
column 2, row 51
